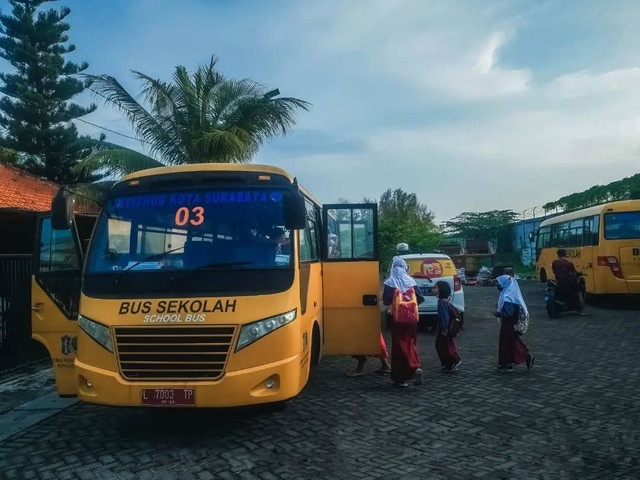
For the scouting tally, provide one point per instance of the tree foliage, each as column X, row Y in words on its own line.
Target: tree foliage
column 197, row 117
column 627, row 188
column 492, row 225
column 402, row 218
column 35, row 111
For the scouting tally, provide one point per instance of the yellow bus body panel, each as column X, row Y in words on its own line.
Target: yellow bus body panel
column 282, row 354
column 59, row 336
column 350, row 328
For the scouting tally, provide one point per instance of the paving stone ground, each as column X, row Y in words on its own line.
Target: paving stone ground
column 576, row 415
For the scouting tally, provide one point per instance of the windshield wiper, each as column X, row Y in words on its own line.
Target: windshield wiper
column 151, row 257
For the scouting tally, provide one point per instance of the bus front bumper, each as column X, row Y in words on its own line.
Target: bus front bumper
column 268, row 383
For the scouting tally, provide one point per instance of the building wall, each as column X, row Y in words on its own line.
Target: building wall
column 520, row 232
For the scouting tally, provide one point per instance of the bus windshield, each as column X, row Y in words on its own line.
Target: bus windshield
column 623, row 225
column 192, row 230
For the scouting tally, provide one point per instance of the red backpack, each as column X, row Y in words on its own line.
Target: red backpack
column 405, row 307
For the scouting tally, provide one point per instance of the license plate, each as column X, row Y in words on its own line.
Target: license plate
column 168, row 396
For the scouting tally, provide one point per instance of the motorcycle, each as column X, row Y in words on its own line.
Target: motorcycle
column 556, row 300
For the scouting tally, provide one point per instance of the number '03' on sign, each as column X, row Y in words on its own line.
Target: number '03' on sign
column 195, row 216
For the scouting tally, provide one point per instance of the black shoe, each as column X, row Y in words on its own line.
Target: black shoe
column 505, row 368
column 530, row 361
column 455, row 366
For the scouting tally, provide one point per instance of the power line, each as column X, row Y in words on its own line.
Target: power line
column 70, row 118
column 109, row 130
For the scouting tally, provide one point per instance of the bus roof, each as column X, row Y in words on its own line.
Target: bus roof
column 220, row 167
column 625, row 205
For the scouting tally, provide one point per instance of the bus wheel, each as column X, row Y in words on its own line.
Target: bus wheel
column 315, row 346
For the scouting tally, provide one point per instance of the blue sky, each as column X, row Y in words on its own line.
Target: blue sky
column 472, row 105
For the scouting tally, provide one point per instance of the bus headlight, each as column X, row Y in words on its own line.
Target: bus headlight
column 256, row 330
column 97, row 331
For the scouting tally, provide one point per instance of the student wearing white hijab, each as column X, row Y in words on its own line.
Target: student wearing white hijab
column 511, row 348
column 405, row 361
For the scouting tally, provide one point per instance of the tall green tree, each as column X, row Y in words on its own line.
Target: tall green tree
column 627, row 188
column 403, row 219
column 35, row 109
column 492, row 225
column 198, row 117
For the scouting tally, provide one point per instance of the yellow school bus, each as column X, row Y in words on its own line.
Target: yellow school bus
column 206, row 286
column 603, row 242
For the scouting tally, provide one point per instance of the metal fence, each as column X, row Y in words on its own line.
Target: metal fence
column 16, row 345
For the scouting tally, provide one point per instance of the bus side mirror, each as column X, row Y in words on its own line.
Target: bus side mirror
column 295, row 211
column 62, row 210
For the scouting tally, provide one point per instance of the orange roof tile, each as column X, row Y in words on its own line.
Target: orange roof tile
column 21, row 190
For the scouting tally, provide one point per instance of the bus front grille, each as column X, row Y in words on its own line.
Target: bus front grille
column 174, row 353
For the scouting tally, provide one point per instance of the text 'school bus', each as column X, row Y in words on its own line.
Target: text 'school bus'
column 603, row 242
column 204, row 285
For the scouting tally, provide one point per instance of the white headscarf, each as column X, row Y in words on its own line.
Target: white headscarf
column 399, row 278
column 510, row 293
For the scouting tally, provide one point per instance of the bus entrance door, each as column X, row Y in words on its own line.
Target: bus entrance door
column 55, row 293
column 351, row 280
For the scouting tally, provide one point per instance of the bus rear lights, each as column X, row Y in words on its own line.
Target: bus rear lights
column 612, row 263
column 97, row 331
column 256, row 330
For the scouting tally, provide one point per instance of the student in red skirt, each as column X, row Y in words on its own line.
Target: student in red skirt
column 385, row 366
column 445, row 343
column 405, row 361
column 511, row 348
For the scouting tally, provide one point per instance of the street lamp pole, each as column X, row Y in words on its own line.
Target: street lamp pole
column 523, row 235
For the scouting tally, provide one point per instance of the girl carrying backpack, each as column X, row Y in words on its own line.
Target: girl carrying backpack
column 401, row 293
column 447, row 329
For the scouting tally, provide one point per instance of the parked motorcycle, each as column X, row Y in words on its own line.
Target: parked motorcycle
column 556, row 298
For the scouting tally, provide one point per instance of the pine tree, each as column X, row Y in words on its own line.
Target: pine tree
column 35, row 112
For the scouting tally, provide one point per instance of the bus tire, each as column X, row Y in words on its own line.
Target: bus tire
column 543, row 275
column 315, row 346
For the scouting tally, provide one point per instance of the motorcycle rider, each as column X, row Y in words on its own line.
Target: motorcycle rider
column 565, row 273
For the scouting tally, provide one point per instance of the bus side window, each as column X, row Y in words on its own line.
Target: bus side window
column 57, row 249
column 309, row 248
column 59, row 266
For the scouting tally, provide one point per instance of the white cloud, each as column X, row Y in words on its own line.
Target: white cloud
column 585, row 84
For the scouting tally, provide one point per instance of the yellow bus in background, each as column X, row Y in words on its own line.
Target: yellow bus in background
column 603, row 242
column 204, row 285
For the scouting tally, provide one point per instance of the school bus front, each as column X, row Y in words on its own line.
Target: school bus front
column 198, row 294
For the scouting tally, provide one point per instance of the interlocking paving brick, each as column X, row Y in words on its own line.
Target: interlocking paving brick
column 574, row 416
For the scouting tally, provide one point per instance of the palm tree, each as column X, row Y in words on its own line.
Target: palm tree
column 196, row 118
